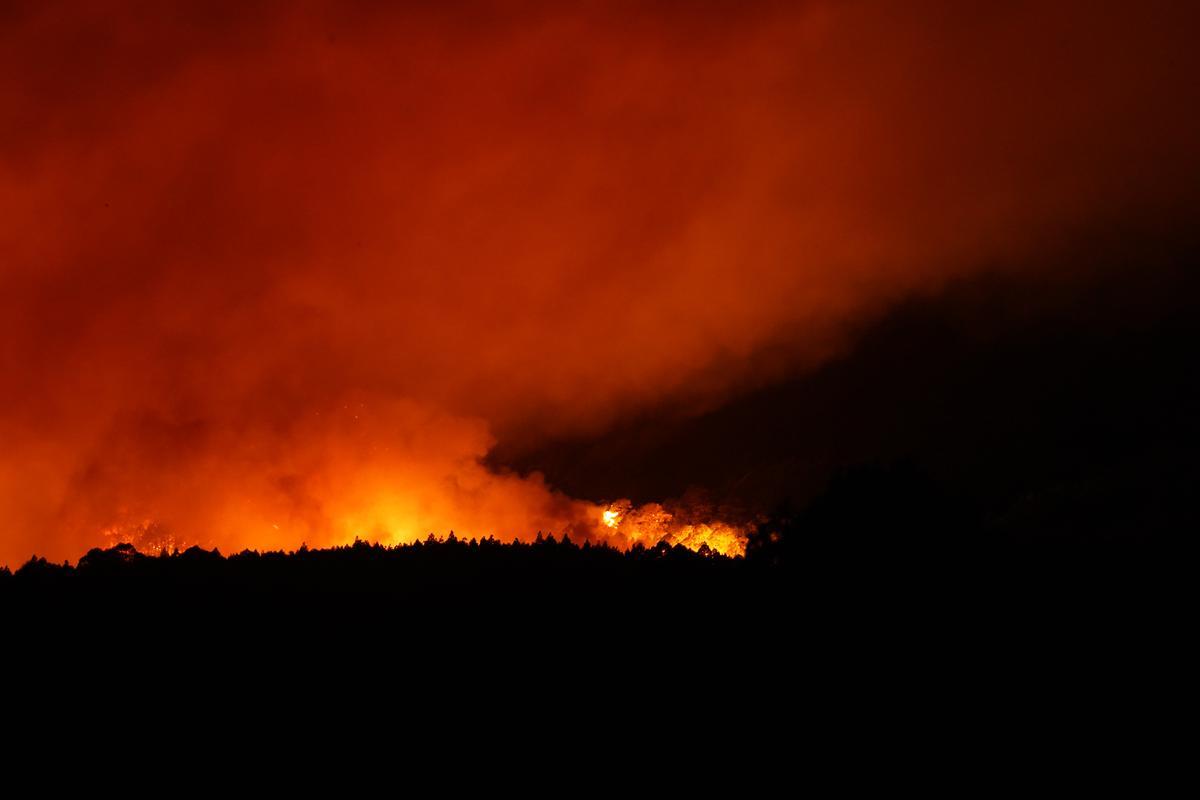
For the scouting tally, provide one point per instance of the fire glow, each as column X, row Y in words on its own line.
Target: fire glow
column 274, row 274
column 622, row 526
column 651, row 524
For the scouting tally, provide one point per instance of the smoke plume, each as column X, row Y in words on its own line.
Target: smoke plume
column 274, row 273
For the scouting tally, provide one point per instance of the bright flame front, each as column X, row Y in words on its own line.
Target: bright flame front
column 651, row 524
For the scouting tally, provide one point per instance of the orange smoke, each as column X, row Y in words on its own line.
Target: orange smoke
column 276, row 273
column 372, row 469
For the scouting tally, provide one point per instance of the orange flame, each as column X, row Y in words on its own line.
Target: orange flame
column 651, row 524
column 621, row 525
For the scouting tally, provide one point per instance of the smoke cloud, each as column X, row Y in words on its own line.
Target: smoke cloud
column 274, row 273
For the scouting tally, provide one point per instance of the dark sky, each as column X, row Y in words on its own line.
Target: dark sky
column 285, row 272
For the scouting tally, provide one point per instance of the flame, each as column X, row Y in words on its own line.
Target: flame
column 621, row 525
column 149, row 536
column 650, row 524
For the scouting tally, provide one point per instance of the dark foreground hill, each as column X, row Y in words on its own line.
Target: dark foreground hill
column 838, row 567
column 424, row 580
column 445, row 612
column 428, row 597
column 824, row 637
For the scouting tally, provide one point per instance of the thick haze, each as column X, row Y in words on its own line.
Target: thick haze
column 284, row 272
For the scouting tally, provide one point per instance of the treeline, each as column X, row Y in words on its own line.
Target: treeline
column 877, row 531
column 416, row 584
column 449, row 610
column 885, row 582
column 880, row 543
column 364, row 565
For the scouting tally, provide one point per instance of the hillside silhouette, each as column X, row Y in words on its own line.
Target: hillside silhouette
column 880, row 540
column 456, row 571
column 883, row 593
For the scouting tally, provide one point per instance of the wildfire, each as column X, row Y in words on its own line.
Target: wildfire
column 652, row 523
column 148, row 536
column 621, row 525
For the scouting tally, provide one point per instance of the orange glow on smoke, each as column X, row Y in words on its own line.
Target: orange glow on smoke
column 284, row 273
